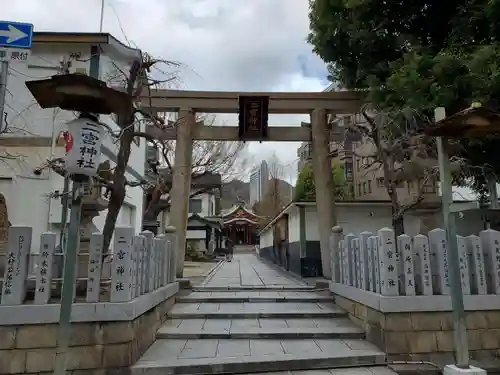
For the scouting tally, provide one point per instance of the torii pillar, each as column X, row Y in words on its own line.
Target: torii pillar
column 323, row 181
column 181, row 183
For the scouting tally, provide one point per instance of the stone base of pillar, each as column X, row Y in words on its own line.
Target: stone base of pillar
column 454, row 370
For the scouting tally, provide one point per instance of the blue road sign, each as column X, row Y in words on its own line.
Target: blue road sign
column 16, row 35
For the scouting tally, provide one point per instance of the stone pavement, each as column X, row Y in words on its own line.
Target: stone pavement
column 247, row 271
column 250, row 318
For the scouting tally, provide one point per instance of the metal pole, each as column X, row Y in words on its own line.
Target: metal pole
column 457, row 299
column 4, row 65
column 102, row 16
column 70, row 258
column 64, row 214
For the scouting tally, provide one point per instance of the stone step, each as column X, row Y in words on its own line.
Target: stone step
column 251, row 356
column 253, row 310
column 254, row 296
column 259, row 329
column 216, row 288
column 365, row 370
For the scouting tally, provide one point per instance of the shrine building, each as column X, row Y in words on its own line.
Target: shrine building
column 241, row 225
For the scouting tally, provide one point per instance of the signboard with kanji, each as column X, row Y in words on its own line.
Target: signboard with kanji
column 253, row 117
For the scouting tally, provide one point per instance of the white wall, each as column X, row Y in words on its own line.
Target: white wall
column 294, row 225
column 266, row 238
column 207, row 204
column 26, row 193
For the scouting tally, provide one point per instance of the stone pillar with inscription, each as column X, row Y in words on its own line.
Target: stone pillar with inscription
column 181, row 183
column 323, row 181
column 439, row 261
column 387, row 261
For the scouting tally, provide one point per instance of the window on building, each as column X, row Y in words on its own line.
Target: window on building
column 359, row 189
column 194, row 206
column 380, row 182
column 369, row 186
column 358, row 164
column 365, row 190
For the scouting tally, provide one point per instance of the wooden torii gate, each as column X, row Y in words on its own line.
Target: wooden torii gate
column 253, row 110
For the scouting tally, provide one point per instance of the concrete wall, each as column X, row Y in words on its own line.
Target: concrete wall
column 26, row 193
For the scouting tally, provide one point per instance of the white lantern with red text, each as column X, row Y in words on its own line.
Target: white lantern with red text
column 83, row 146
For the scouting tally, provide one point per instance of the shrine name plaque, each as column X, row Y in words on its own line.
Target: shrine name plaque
column 253, row 117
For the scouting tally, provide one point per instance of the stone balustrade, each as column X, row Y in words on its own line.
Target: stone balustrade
column 398, row 290
column 113, row 322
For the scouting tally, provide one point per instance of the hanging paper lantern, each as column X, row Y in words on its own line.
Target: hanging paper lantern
column 83, row 152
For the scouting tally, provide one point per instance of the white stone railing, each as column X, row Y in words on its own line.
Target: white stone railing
column 416, row 266
column 139, row 265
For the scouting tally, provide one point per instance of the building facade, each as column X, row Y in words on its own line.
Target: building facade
column 259, row 179
column 304, row 154
column 32, row 135
column 204, row 227
column 355, row 156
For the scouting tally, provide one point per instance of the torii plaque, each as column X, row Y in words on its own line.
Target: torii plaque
column 253, row 117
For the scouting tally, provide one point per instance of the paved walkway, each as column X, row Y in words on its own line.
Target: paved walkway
column 246, row 270
column 248, row 318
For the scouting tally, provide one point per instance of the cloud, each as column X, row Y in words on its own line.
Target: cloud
column 256, row 45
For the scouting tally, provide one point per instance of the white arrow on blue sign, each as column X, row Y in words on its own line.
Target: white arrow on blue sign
column 16, row 35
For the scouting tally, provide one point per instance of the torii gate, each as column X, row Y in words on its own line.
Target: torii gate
column 253, row 109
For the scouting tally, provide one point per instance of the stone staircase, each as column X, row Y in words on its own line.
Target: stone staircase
column 239, row 331
column 244, row 249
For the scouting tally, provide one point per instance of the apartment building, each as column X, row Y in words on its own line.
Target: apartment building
column 355, row 155
column 304, row 154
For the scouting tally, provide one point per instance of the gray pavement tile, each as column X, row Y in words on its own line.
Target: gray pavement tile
column 241, row 324
column 301, row 323
column 233, row 348
column 300, row 346
column 266, row 347
column 334, row 346
column 191, row 325
column 216, row 325
column 199, row 349
column 272, row 323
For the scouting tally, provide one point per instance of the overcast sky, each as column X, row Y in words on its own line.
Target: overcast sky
column 256, row 45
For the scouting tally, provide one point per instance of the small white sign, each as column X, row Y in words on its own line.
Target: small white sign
column 15, row 55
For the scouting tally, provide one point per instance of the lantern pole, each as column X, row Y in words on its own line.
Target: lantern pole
column 72, row 244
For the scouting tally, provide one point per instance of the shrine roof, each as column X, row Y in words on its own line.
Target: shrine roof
column 239, row 207
column 235, row 219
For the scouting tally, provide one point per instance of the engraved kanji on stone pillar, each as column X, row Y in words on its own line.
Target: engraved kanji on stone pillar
column 421, row 250
column 159, row 243
column 122, row 265
column 350, row 259
column 363, row 244
column 477, row 271
column 387, row 261
column 342, row 261
column 148, row 264
column 490, row 242
column 171, row 243
column 357, row 263
column 463, row 262
column 139, row 264
column 335, row 253
column 94, row 267
column 406, row 257
column 375, row 263
column 44, row 268
column 439, row 261
column 16, row 265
